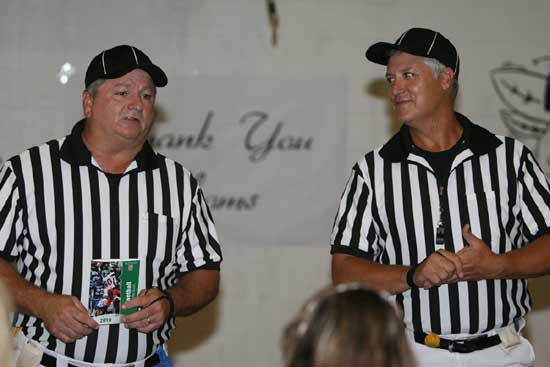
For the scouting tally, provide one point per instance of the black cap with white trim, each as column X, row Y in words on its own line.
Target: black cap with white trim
column 420, row 42
column 120, row 60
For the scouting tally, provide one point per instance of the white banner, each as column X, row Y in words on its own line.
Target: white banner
column 268, row 153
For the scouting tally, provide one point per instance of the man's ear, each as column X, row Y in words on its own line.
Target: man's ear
column 446, row 78
column 87, row 103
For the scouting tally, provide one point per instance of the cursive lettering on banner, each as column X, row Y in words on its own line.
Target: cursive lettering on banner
column 238, row 203
column 272, row 140
column 203, row 140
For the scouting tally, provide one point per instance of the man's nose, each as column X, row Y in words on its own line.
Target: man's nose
column 396, row 87
column 136, row 102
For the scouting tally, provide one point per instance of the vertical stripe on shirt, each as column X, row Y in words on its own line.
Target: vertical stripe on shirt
column 504, row 196
column 56, row 216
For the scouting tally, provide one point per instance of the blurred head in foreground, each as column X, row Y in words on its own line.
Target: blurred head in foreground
column 348, row 325
column 6, row 339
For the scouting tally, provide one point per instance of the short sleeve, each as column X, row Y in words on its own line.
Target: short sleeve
column 354, row 231
column 11, row 219
column 534, row 191
column 200, row 245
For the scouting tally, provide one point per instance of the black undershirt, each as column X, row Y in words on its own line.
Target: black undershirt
column 441, row 161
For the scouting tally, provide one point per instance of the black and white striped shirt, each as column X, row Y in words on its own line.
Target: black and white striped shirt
column 58, row 211
column 389, row 213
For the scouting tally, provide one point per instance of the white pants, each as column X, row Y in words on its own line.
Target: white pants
column 522, row 355
column 28, row 353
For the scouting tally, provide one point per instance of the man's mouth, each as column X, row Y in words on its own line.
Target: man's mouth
column 401, row 102
column 401, row 99
column 131, row 119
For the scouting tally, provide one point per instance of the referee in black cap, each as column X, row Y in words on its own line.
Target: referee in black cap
column 446, row 216
column 101, row 195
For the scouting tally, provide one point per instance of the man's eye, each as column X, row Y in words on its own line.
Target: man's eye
column 148, row 97
column 408, row 74
column 390, row 79
column 121, row 93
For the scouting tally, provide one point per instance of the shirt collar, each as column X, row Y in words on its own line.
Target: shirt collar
column 74, row 151
column 478, row 139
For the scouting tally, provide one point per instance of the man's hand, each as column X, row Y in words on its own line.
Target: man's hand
column 441, row 267
column 479, row 262
column 66, row 318
column 153, row 314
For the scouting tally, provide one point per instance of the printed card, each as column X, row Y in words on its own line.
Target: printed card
column 112, row 283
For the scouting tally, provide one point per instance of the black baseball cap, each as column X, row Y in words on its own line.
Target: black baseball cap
column 120, row 60
column 420, row 42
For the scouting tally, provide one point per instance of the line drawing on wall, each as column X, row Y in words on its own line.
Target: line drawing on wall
column 525, row 92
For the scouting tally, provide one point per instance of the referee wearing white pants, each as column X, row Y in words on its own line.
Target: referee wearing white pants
column 447, row 217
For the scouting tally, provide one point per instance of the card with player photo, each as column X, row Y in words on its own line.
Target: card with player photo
column 112, row 283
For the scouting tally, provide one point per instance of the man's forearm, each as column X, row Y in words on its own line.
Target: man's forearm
column 389, row 278
column 26, row 296
column 530, row 261
column 194, row 290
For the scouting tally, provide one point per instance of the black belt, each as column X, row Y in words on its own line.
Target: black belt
column 462, row 346
column 50, row 361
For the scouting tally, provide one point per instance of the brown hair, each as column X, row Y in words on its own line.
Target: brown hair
column 348, row 325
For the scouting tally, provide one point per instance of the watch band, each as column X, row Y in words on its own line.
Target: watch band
column 410, row 276
column 168, row 296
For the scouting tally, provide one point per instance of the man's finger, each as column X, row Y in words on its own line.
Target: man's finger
column 82, row 316
column 86, row 321
column 79, row 305
column 87, row 329
column 138, row 301
column 427, row 284
column 452, row 279
column 455, row 260
column 137, row 316
column 435, row 264
column 73, row 331
column 470, row 238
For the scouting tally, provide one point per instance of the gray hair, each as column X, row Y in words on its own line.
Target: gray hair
column 92, row 88
column 437, row 68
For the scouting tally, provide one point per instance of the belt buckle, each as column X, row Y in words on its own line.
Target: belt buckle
column 458, row 347
column 451, row 347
